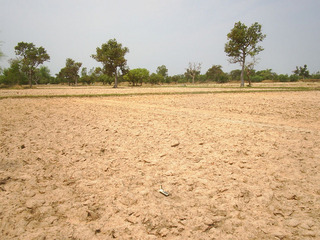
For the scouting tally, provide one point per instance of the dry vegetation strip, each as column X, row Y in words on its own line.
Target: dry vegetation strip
column 118, row 94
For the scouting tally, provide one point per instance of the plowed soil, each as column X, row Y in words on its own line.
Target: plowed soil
column 236, row 166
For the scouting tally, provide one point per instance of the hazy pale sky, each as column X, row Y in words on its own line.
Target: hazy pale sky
column 163, row 32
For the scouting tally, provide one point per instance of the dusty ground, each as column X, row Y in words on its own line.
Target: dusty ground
column 237, row 166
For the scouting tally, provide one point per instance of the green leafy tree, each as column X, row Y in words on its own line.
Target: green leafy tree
column 216, row 74
column 163, row 71
column 302, row 71
column 243, row 42
column 266, row 74
column 283, row 78
column 235, row 74
column 138, row 75
column 43, row 75
column 105, row 79
column 14, row 74
column 193, row 70
column 85, row 78
column 31, row 58
column 176, row 78
column 112, row 56
column 70, row 72
column 155, row 78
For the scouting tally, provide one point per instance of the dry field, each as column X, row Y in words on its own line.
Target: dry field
column 236, row 165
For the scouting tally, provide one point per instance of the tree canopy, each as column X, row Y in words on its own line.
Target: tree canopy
column 163, row 71
column 70, row 72
column 216, row 74
column 243, row 42
column 138, row 75
column 112, row 56
column 31, row 58
column 302, row 71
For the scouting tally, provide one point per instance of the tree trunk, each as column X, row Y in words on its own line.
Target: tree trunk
column 116, row 79
column 30, row 79
column 193, row 79
column 248, row 75
column 242, row 73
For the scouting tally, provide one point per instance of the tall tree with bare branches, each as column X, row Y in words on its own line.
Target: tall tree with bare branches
column 193, row 70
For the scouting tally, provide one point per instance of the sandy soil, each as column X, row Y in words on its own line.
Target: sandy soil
column 237, row 166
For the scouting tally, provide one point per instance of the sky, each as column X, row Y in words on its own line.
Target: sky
column 163, row 32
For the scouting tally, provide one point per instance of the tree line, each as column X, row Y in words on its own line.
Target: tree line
column 241, row 47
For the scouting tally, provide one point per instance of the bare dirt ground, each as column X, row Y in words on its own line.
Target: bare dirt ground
column 237, row 166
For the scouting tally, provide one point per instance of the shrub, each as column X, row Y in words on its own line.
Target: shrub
column 283, row 78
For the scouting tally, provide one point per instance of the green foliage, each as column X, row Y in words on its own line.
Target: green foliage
column 256, row 78
column 180, row 78
column 155, row 78
column 216, row 74
column 235, row 74
column 316, row 75
column 136, row 76
column 243, row 42
column 43, row 76
column 163, row 71
column 85, row 78
column 302, row 71
column 69, row 73
column 266, row 74
column 105, row 79
column 283, row 78
column 112, row 56
column 31, row 58
column 14, row 74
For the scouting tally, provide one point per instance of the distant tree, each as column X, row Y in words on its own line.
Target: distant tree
column 155, row 78
column 31, row 58
column 266, row 74
column 249, row 69
column 85, row 78
column 70, row 72
column 216, row 74
column 193, row 70
column 43, row 75
column 138, row 75
column 163, row 71
column 316, row 75
column 112, row 56
column 302, row 71
column 97, row 75
column 105, row 79
column 283, row 78
column 242, row 42
column 14, row 74
column 235, row 74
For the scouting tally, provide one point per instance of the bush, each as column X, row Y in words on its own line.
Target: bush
column 294, row 78
column 257, row 78
column 283, row 78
